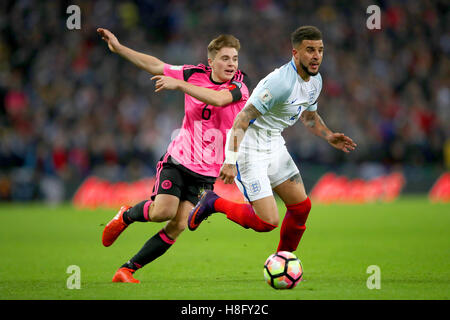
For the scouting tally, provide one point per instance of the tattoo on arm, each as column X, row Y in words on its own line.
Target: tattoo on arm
column 241, row 124
column 309, row 119
column 313, row 121
column 320, row 120
column 250, row 113
column 244, row 117
column 324, row 129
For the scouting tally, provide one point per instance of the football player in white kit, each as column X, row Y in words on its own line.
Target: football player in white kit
column 256, row 156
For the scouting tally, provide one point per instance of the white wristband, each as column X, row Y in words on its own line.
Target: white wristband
column 230, row 157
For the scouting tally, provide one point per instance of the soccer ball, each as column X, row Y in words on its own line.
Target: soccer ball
column 283, row 270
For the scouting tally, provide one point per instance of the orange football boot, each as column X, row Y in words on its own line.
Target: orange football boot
column 124, row 275
column 114, row 228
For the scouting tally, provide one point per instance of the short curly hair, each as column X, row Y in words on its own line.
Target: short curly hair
column 305, row 33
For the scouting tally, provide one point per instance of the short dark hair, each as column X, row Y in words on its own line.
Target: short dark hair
column 222, row 41
column 305, row 33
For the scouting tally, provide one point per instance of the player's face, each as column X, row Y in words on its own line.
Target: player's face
column 308, row 57
column 224, row 65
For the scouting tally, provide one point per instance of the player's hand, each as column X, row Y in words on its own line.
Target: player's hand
column 110, row 39
column 165, row 82
column 227, row 173
column 342, row 142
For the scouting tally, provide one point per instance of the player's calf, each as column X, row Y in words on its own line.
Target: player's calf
column 151, row 250
column 138, row 212
column 293, row 225
column 240, row 213
column 244, row 215
column 175, row 227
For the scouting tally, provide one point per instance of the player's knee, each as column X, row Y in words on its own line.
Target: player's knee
column 160, row 214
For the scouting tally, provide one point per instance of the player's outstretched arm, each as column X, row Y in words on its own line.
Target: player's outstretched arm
column 316, row 125
column 208, row 96
column 234, row 139
column 141, row 60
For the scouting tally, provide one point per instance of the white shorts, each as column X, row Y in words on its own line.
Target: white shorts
column 260, row 172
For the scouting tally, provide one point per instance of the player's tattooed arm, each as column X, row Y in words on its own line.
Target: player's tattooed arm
column 316, row 125
column 235, row 137
column 240, row 126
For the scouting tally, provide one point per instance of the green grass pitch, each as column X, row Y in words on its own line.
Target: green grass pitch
column 408, row 240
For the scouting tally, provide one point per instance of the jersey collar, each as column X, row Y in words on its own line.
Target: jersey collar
column 293, row 64
column 215, row 82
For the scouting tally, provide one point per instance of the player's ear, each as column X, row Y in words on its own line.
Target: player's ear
column 210, row 62
column 295, row 53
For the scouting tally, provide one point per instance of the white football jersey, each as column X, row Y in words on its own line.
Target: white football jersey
column 281, row 97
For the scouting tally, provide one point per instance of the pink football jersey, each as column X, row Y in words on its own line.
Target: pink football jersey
column 200, row 143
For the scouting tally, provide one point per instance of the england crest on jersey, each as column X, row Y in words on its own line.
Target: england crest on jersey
column 311, row 96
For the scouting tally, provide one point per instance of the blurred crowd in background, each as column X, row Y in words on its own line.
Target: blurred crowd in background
column 69, row 108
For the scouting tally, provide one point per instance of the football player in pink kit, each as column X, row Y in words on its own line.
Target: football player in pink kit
column 214, row 95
